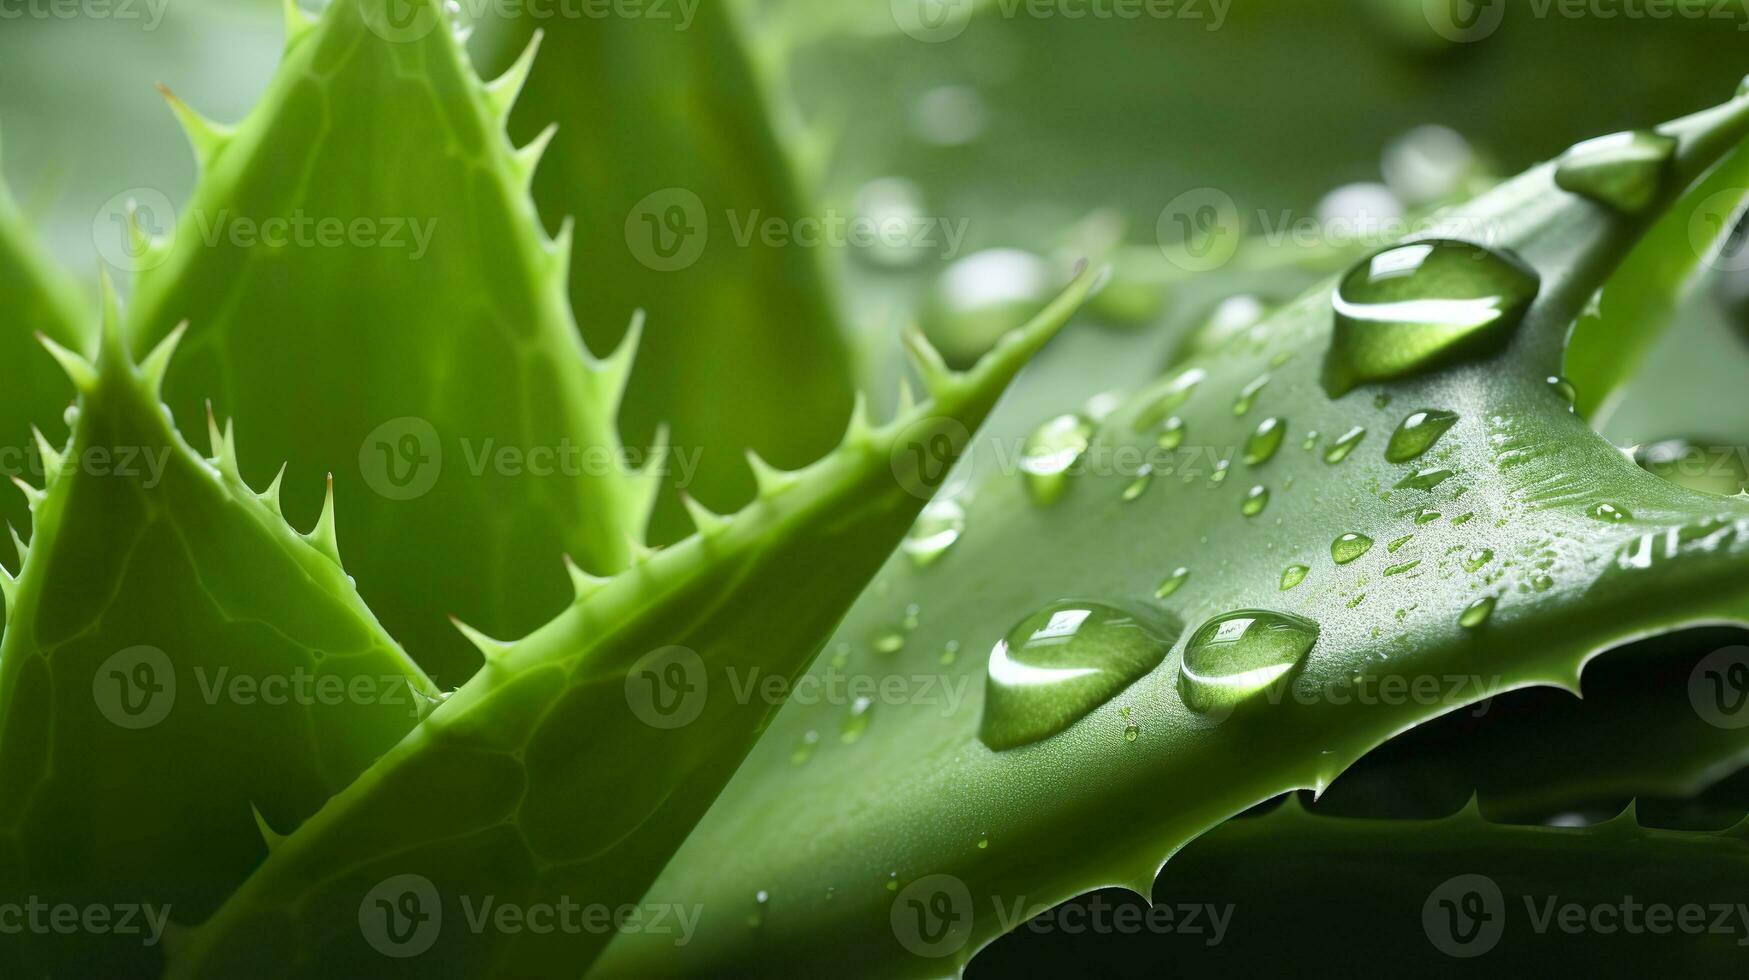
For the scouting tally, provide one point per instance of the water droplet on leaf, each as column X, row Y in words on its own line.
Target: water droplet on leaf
column 1344, row 445
column 1255, row 500
column 1171, row 583
column 1237, row 654
column 936, row 529
column 1414, row 307
column 1265, row 441
column 1063, row 661
column 1050, row 451
column 1349, row 547
column 1292, row 576
column 1417, row 434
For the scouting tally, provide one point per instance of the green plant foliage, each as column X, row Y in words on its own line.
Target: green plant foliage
column 38, row 300
column 1516, row 547
column 416, row 359
column 1261, row 889
column 179, row 668
column 662, row 120
column 483, row 799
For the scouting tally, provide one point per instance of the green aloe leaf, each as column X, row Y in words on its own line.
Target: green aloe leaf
column 180, row 668
column 570, row 768
column 369, row 293
column 1505, row 555
column 1646, row 727
column 38, row 299
column 668, row 162
column 1440, row 897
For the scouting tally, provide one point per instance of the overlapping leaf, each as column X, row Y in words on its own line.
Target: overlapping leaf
column 178, row 665
column 1575, row 547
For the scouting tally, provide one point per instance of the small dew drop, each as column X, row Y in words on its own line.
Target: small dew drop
column 1417, row 434
column 1292, row 576
column 1477, row 558
column 855, row 720
column 1344, row 445
column 1265, row 441
column 936, row 529
column 1248, row 395
column 1395, row 543
column 1425, row 478
column 1172, row 582
column 1623, row 171
column 805, row 749
column 1255, row 500
column 1564, row 388
column 1171, row 433
column 1050, row 451
column 1610, row 513
column 1139, row 485
column 1348, row 547
column 1476, row 613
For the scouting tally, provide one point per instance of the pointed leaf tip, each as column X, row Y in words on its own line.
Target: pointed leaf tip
column 708, row 522
column 323, row 535
column 503, row 91
column 489, row 648
column 79, row 370
column 157, row 363
column 583, row 584
column 768, row 478
column 206, row 136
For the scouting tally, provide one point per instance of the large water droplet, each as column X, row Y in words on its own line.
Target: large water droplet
column 1049, row 452
column 1265, row 441
column 1621, row 170
column 1237, row 654
column 1063, row 661
column 1417, row 434
column 1414, row 307
column 1349, row 547
column 936, row 529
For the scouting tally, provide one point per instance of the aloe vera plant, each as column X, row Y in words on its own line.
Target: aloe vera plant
column 538, row 709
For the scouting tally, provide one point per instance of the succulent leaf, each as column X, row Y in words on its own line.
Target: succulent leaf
column 175, row 645
column 436, row 372
column 1505, row 556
